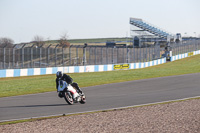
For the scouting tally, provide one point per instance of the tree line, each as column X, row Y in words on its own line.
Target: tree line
column 39, row 41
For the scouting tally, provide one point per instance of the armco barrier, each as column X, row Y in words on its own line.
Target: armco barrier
column 74, row 69
column 181, row 56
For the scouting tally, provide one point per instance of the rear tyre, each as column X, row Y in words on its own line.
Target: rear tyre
column 68, row 98
column 83, row 99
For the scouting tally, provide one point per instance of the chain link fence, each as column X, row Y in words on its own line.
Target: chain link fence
column 78, row 55
column 185, row 47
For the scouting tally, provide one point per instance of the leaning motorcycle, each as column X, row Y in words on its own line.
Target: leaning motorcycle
column 70, row 94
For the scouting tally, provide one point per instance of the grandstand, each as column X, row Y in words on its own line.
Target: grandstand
column 143, row 31
column 149, row 28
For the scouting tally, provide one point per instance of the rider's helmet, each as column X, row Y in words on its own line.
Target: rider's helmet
column 59, row 74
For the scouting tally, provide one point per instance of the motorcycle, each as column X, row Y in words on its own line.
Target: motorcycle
column 70, row 94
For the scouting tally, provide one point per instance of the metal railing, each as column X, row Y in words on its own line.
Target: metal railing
column 78, row 55
column 185, row 47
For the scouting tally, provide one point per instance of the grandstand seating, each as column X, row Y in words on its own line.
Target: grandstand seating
column 149, row 28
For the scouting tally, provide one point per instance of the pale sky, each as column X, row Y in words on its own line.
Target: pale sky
column 21, row 20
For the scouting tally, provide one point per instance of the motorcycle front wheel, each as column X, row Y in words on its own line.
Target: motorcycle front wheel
column 68, row 98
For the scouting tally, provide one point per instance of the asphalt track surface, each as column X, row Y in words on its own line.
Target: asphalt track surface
column 102, row 97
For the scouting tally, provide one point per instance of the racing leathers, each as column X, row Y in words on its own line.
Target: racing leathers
column 69, row 80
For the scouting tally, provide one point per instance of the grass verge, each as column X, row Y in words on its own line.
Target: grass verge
column 45, row 83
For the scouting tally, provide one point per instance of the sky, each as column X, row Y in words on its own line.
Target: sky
column 21, row 20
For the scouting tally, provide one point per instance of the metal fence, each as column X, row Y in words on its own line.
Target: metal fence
column 185, row 46
column 78, row 55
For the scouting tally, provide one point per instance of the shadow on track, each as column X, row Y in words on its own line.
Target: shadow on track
column 30, row 106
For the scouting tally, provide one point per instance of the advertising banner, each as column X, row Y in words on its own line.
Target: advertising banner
column 121, row 66
column 191, row 54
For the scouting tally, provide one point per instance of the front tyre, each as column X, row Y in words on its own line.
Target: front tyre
column 68, row 98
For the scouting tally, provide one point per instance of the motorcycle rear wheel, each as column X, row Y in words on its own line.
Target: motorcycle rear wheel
column 83, row 99
column 68, row 98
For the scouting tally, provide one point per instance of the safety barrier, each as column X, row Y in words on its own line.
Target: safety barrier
column 181, row 56
column 77, row 69
column 89, row 68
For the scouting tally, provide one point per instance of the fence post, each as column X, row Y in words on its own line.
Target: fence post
column 127, row 55
column 106, row 55
column 56, row 55
column 32, row 55
column 89, row 56
column 117, row 54
column 112, row 55
column 95, row 55
column 84, row 54
column 48, row 54
column 101, row 55
column 140, row 54
column 143, row 53
column 23, row 55
column 13, row 65
column 133, row 56
column 123, row 55
column 40, row 56
column 40, row 48
column 4, row 57
column 9, row 58
column 185, row 48
column 63, row 54
column 70, row 55
column 146, row 53
column 77, row 55
column 152, row 50
column 149, row 54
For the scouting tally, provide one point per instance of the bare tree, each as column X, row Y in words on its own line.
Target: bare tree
column 63, row 40
column 38, row 40
column 4, row 41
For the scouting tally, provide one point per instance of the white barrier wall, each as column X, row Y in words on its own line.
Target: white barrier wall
column 75, row 69
column 181, row 56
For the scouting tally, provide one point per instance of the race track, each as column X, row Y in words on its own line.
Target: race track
column 102, row 97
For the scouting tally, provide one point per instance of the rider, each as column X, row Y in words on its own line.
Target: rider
column 68, row 79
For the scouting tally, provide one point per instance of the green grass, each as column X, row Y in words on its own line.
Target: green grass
column 37, row 84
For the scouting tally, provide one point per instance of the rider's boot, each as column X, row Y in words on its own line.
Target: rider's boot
column 75, row 85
